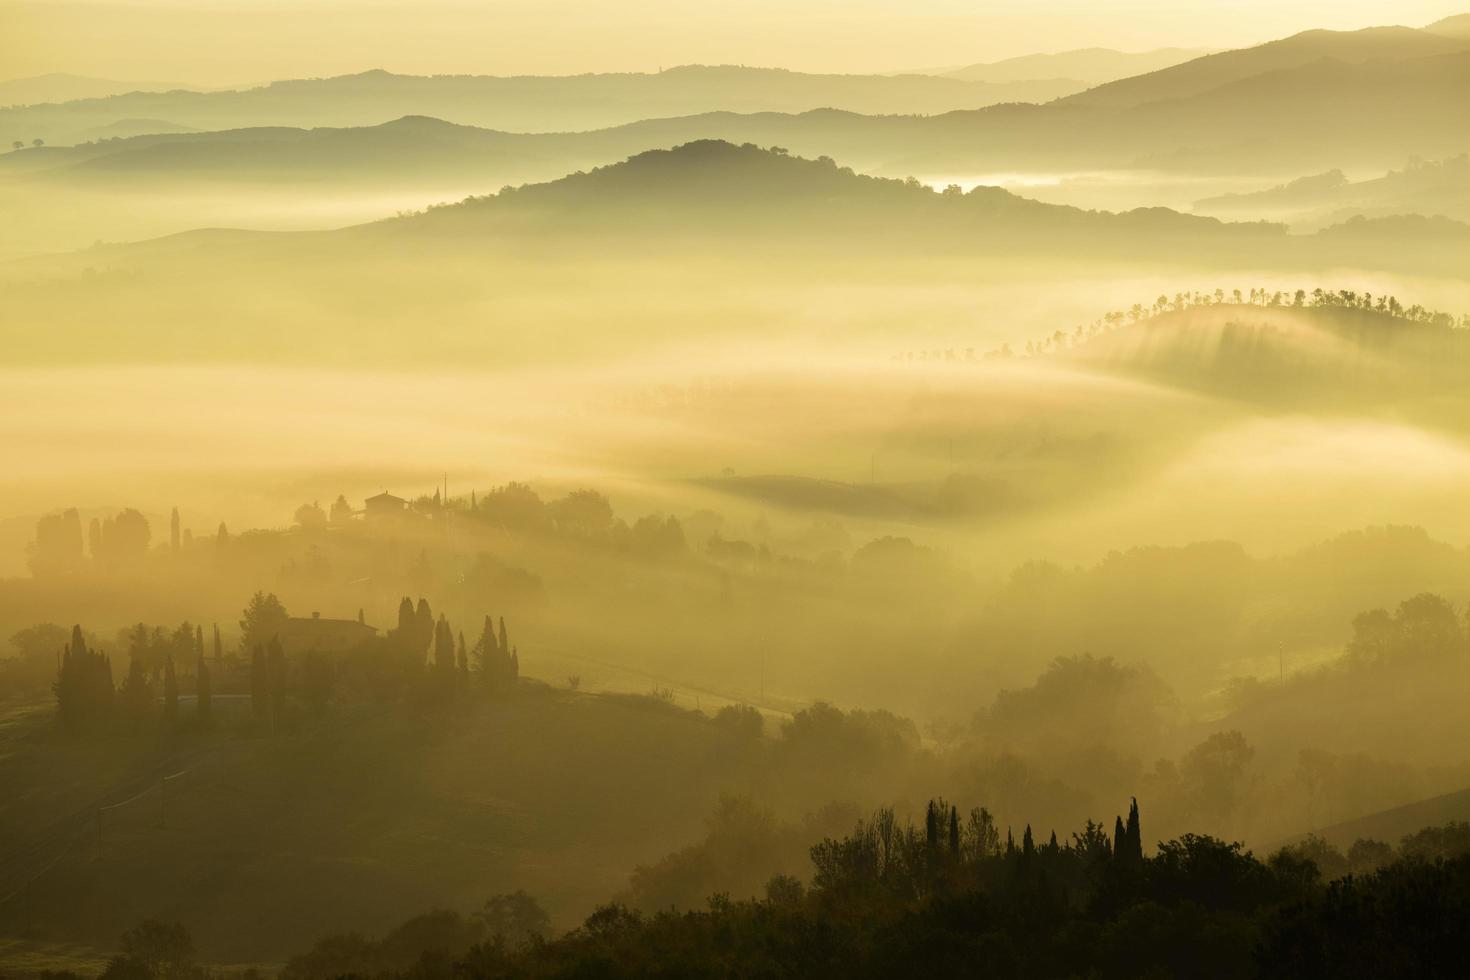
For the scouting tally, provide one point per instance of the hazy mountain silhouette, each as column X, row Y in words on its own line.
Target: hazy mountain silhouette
column 1456, row 26
column 1424, row 188
column 1202, row 75
column 1287, row 118
column 524, row 103
column 62, row 87
column 1094, row 66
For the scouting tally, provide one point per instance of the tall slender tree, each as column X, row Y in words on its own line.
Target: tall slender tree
column 1134, row 834
column 424, row 617
column 170, row 692
column 464, row 664
column 203, row 691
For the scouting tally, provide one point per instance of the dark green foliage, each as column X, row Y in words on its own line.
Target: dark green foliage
column 1200, row 908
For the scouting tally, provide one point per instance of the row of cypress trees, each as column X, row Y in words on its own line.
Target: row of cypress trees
column 87, row 698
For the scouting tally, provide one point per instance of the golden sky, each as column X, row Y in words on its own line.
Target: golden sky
column 231, row 41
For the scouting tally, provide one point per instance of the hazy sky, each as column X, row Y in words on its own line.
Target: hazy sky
column 227, row 41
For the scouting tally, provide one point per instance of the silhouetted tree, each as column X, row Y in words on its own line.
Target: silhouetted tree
column 463, row 659
column 424, row 617
column 203, row 691
column 137, row 693
column 1133, row 834
column 262, row 621
column 170, row 692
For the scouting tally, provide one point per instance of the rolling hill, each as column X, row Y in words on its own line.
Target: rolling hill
column 1331, row 355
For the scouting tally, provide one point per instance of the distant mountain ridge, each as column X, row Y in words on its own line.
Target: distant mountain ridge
column 1093, row 66
column 63, row 87
column 1200, row 76
column 531, row 104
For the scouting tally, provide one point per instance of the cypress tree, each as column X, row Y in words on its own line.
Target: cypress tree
column 504, row 643
column 1135, row 834
column 515, row 665
column 1120, row 838
column 424, row 617
column 170, row 691
column 954, row 832
column 464, row 663
column 443, row 646
column 931, row 826
column 199, row 641
column 137, row 692
column 407, row 632
column 1010, row 843
column 218, row 648
column 203, row 693
column 1028, row 845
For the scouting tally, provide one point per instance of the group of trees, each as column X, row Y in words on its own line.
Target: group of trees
column 117, row 541
column 86, row 698
column 892, row 899
column 158, row 658
column 493, row 661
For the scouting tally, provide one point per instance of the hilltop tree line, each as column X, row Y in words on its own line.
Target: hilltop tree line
column 1346, row 299
column 421, row 657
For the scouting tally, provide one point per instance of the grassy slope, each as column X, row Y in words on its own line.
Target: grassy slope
column 353, row 821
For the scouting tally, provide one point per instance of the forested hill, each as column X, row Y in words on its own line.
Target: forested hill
column 751, row 185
